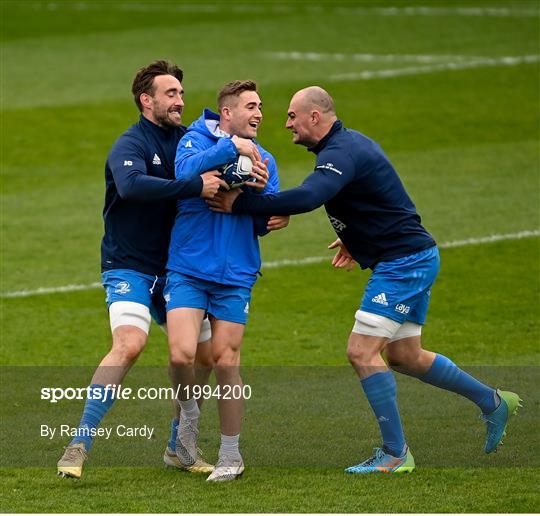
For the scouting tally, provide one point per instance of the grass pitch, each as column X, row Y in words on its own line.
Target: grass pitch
column 465, row 141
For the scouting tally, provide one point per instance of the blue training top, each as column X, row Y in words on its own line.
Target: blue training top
column 364, row 199
column 208, row 245
column 140, row 198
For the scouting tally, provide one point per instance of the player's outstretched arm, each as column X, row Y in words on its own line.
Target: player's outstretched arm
column 314, row 192
column 318, row 188
column 128, row 167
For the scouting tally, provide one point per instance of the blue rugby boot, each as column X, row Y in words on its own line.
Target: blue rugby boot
column 497, row 421
column 382, row 462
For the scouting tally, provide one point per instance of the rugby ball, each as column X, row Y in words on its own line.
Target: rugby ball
column 237, row 172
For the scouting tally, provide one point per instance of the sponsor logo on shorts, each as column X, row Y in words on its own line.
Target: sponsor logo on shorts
column 122, row 288
column 167, row 298
column 380, row 298
column 246, row 308
column 402, row 309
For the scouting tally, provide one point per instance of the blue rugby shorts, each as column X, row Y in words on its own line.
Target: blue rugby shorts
column 224, row 302
column 400, row 289
column 130, row 285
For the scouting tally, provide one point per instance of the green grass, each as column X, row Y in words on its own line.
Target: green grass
column 267, row 490
column 466, row 146
column 313, row 415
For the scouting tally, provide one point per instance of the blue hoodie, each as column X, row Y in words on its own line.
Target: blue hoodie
column 207, row 245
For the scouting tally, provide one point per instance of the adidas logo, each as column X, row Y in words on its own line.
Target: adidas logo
column 188, row 144
column 246, row 309
column 381, row 299
column 382, row 419
column 156, row 160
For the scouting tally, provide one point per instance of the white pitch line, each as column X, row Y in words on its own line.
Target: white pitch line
column 438, row 11
column 433, row 63
column 440, row 67
column 370, row 58
column 491, row 238
column 290, row 8
column 51, row 290
column 444, row 245
column 288, row 262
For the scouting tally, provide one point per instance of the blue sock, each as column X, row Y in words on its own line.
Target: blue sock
column 447, row 375
column 381, row 392
column 172, row 439
column 97, row 405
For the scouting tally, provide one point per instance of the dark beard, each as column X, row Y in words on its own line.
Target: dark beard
column 164, row 121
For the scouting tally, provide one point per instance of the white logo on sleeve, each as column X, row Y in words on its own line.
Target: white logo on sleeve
column 156, row 160
column 330, row 166
column 128, row 163
column 188, row 144
column 380, row 299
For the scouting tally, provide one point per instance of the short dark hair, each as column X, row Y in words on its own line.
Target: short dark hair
column 234, row 89
column 144, row 80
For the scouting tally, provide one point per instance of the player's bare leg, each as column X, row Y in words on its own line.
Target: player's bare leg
column 184, row 326
column 408, row 357
column 226, row 342
column 128, row 343
column 204, row 363
column 364, row 354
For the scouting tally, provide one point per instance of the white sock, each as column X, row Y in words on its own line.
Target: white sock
column 189, row 410
column 229, row 446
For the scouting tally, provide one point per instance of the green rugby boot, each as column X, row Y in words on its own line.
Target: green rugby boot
column 497, row 421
